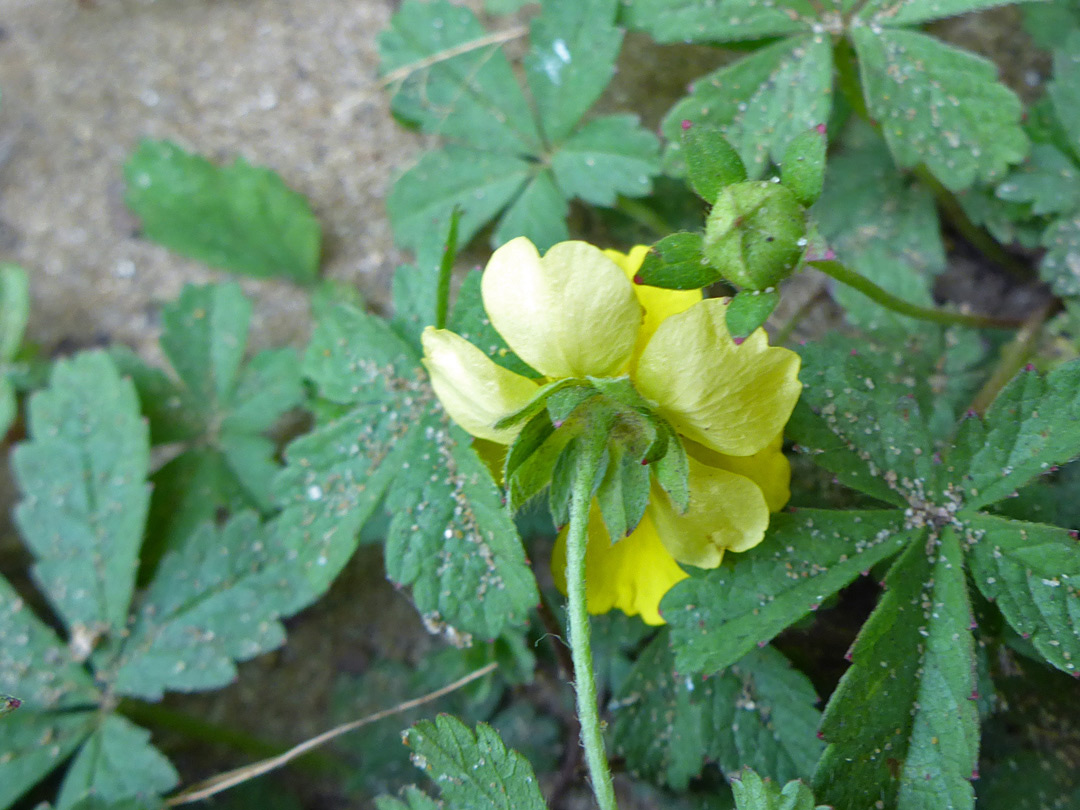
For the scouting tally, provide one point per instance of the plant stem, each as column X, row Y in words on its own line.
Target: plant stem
column 886, row 299
column 1013, row 357
column 446, row 269
column 580, row 645
column 643, row 215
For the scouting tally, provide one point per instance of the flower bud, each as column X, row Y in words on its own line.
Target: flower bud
column 755, row 234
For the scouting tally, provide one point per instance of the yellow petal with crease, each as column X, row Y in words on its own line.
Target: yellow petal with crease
column 571, row 313
column 475, row 390
column 727, row 512
column 658, row 303
column 768, row 468
column 733, row 399
column 631, row 575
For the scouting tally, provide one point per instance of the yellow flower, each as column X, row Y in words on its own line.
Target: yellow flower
column 576, row 313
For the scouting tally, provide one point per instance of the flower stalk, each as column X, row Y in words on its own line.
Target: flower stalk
column 580, row 642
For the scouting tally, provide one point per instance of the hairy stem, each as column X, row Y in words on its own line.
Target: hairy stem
column 881, row 296
column 580, row 645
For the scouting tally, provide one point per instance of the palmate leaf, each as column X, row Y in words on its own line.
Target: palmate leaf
column 758, row 712
column 939, row 106
column 241, row 217
column 1031, row 427
column 902, row 726
column 83, row 479
column 502, row 161
column 450, row 537
column 1049, row 181
column 1032, row 573
column 754, row 793
column 218, row 405
column 213, row 601
column 1061, row 264
column 718, row 616
column 474, row 770
column 763, row 101
column 34, row 743
column 913, row 12
column 116, row 763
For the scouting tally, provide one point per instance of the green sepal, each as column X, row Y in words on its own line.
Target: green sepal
column 803, row 167
column 563, row 403
column 622, row 392
column 538, row 402
column 672, row 470
column 623, row 493
column 711, row 161
column 677, row 262
column 531, row 437
column 749, row 310
column 592, row 438
column 534, row 465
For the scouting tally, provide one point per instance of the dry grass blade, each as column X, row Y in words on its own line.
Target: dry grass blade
column 230, row 779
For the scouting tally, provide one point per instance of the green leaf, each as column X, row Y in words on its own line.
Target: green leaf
column 724, row 21
column 676, row 263
column 116, row 763
column 572, row 59
column 608, row 156
column 447, row 86
column 902, row 726
column 473, row 770
column 754, row 793
column 1050, row 24
column 711, row 162
column 25, row 760
column 758, row 712
column 1031, row 427
column 719, row 616
column 862, row 416
column 35, row 666
column 912, row 12
column 749, row 310
column 539, row 213
column 1064, row 90
column 14, row 310
column 450, row 536
column 84, row 493
column 213, row 601
column 481, row 183
column 939, row 105
column 802, row 169
column 1032, row 573
column 763, row 101
column 241, row 217
column 1049, row 181
column 882, row 225
column 1060, row 266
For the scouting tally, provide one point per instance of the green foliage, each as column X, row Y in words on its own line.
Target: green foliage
column 754, row 793
column 218, row 408
column 241, row 217
column 473, row 770
column 757, row 712
column 449, row 537
column 214, row 600
column 502, row 159
column 936, row 105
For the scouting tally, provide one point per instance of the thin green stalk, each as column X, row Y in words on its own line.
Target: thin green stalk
column 446, row 268
column 886, row 299
column 1013, row 357
column 580, row 645
column 643, row 215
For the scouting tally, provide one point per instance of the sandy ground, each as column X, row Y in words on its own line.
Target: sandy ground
column 285, row 83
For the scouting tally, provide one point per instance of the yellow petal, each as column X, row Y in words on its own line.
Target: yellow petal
column 768, row 468
column 631, row 575
column 474, row 389
column 658, row 303
column 727, row 511
column 733, row 399
column 570, row 314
